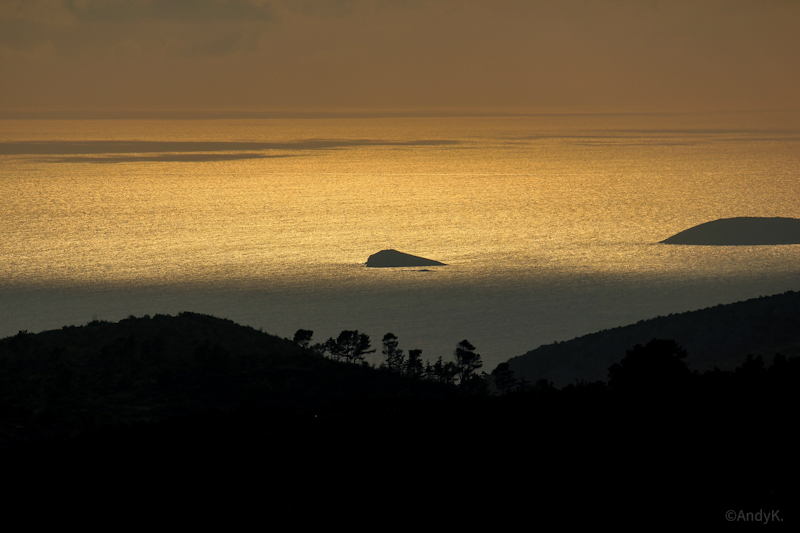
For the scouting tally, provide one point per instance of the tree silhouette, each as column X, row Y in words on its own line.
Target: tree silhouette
column 394, row 356
column 752, row 367
column 650, row 370
column 441, row 372
column 349, row 345
column 466, row 361
column 503, row 378
column 413, row 366
column 303, row 337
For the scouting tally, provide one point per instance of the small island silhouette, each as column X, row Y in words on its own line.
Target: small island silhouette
column 741, row 231
column 393, row 258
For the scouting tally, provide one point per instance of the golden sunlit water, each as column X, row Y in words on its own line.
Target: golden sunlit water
column 548, row 224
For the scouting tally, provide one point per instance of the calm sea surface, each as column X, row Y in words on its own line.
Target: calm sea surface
column 549, row 225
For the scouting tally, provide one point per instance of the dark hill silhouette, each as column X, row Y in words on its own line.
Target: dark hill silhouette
column 719, row 336
column 393, row 258
column 741, row 231
column 147, row 369
column 656, row 437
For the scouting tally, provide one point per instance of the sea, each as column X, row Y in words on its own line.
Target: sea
column 549, row 225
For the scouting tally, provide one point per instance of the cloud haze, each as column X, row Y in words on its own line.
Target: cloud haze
column 333, row 55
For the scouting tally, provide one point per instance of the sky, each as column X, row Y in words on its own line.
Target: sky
column 307, row 56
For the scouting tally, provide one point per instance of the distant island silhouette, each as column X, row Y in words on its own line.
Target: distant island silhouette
column 393, row 258
column 741, row 231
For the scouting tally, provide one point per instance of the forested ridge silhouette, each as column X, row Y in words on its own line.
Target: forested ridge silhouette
column 150, row 368
column 202, row 408
column 720, row 336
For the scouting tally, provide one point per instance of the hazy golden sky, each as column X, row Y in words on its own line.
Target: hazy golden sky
column 366, row 55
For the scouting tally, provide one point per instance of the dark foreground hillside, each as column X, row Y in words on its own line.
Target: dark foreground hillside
column 264, row 431
column 719, row 336
column 149, row 368
column 672, row 452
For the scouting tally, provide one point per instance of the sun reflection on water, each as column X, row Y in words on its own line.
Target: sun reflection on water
column 514, row 206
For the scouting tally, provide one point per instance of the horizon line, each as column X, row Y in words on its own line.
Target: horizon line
column 173, row 114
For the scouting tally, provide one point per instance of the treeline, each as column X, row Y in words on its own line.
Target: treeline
column 76, row 378
column 352, row 346
column 202, row 406
column 657, row 368
column 719, row 336
column 656, row 441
